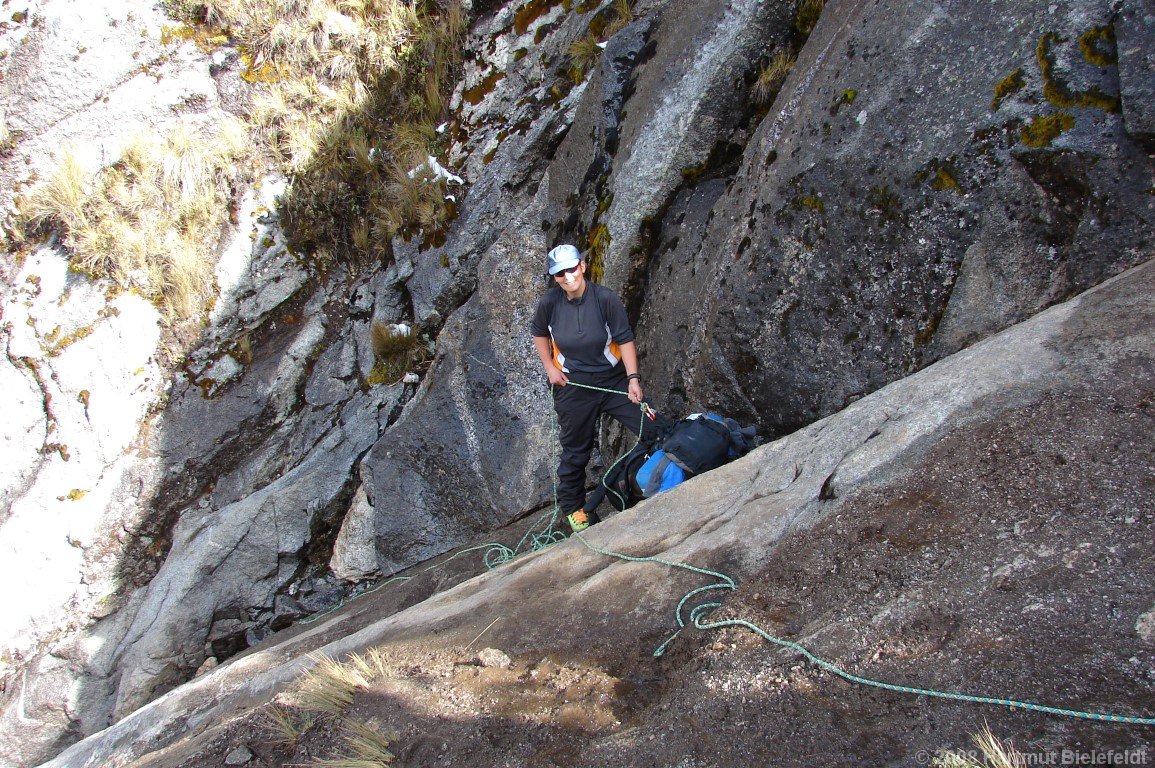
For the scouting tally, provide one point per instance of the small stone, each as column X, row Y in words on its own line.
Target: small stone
column 209, row 663
column 238, row 756
column 492, row 657
column 1145, row 626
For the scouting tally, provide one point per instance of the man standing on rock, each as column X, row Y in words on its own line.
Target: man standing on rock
column 586, row 346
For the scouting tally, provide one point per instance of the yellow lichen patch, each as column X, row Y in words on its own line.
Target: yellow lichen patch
column 1043, row 130
column 1057, row 93
column 261, row 71
column 1098, row 46
column 67, row 341
column 76, row 494
column 943, row 181
column 1012, row 83
column 207, row 38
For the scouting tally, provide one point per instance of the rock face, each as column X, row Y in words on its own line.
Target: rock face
column 957, row 530
column 926, row 176
column 780, row 264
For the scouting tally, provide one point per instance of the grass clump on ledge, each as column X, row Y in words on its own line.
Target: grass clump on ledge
column 325, row 693
column 584, row 52
column 396, row 351
column 771, row 77
column 807, row 15
column 329, row 686
column 347, row 95
column 150, row 221
column 348, row 103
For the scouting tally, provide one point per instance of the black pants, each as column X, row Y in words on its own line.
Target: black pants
column 578, row 412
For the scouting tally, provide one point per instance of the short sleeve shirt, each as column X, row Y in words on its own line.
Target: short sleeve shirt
column 585, row 332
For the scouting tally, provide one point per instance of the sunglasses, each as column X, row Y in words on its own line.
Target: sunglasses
column 569, row 271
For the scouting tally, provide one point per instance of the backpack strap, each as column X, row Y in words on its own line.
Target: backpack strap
column 656, row 476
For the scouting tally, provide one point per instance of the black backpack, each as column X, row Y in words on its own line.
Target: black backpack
column 696, row 444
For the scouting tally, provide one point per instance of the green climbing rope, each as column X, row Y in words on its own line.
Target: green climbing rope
column 540, row 536
column 697, row 619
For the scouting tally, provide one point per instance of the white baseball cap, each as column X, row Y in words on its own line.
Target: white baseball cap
column 561, row 258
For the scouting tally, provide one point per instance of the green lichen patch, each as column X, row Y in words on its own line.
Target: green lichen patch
column 806, row 18
column 597, row 244
column 847, row 98
column 1009, row 85
column 722, row 155
column 1044, row 129
column 942, row 174
column 880, row 198
column 926, row 334
column 691, row 174
column 813, row 202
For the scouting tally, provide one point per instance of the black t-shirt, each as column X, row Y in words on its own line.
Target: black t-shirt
column 586, row 331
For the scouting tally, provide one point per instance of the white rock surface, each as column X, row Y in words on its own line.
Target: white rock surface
column 83, row 365
column 355, row 554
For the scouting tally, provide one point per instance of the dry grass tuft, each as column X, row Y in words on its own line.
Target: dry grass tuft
column 63, row 199
column 623, row 17
column 996, row 754
column 149, row 221
column 283, row 722
column 583, row 53
column 367, row 748
column 771, row 77
column 328, row 688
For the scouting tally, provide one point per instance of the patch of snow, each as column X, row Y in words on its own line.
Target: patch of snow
column 438, row 170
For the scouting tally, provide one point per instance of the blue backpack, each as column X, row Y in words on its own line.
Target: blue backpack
column 698, row 443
